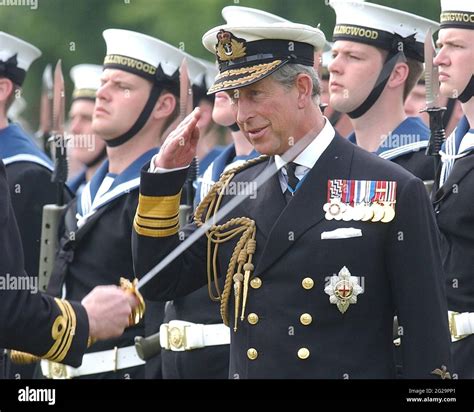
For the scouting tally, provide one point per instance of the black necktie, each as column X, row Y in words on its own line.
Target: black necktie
column 292, row 180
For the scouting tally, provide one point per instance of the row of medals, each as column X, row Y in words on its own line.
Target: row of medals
column 375, row 212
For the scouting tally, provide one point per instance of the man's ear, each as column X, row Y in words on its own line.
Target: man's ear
column 304, row 86
column 6, row 89
column 165, row 106
column 399, row 75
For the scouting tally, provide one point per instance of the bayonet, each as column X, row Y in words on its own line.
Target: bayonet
column 431, row 73
column 432, row 102
column 185, row 91
column 60, row 158
column 44, row 131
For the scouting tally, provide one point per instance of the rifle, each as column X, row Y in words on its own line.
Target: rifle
column 52, row 213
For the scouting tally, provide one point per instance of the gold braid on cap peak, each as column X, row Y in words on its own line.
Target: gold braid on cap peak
column 240, row 264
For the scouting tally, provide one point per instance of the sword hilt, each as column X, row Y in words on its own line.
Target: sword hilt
column 139, row 311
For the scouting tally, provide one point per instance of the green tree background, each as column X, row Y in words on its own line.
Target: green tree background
column 71, row 29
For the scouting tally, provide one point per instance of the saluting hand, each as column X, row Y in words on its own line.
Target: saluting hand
column 179, row 148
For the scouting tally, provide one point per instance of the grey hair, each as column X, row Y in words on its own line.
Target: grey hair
column 287, row 74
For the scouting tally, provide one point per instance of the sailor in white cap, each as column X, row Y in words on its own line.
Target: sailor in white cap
column 378, row 58
column 453, row 200
column 311, row 259
column 137, row 99
column 340, row 121
column 87, row 149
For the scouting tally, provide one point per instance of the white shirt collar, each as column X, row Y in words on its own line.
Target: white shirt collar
column 309, row 156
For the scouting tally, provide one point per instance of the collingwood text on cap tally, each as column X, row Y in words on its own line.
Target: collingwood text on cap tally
column 247, row 54
column 382, row 27
column 457, row 14
column 86, row 79
column 16, row 56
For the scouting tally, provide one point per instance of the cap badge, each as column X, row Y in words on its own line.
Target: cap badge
column 229, row 47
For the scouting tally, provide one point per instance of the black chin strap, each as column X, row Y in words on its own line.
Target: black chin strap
column 392, row 60
column 142, row 119
column 234, row 127
column 468, row 92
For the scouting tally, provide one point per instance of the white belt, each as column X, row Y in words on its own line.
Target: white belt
column 96, row 362
column 179, row 335
column 460, row 325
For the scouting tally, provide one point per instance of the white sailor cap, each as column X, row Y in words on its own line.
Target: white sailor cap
column 197, row 73
column 249, row 53
column 237, row 15
column 381, row 27
column 457, row 14
column 142, row 55
column 210, row 73
column 196, row 69
column 16, row 57
column 86, row 78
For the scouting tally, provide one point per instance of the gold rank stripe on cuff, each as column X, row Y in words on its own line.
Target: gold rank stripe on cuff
column 62, row 332
column 157, row 216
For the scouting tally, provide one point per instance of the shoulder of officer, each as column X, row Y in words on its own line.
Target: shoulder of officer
column 243, row 166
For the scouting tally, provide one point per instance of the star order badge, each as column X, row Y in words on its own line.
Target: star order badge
column 343, row 289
